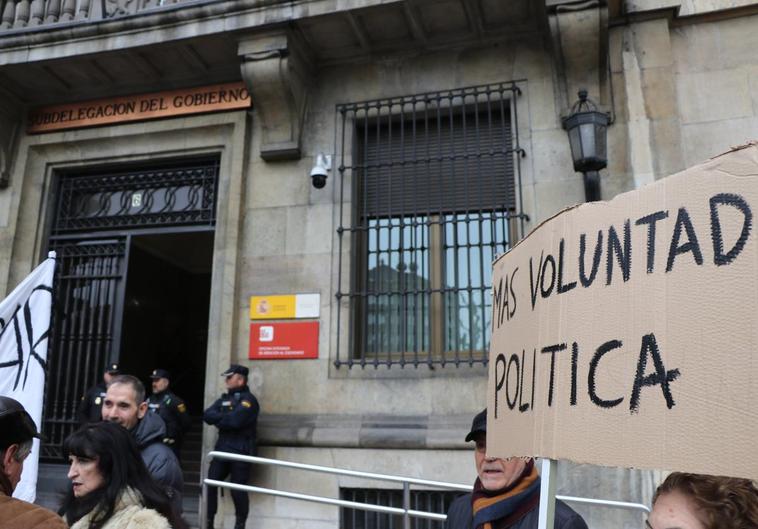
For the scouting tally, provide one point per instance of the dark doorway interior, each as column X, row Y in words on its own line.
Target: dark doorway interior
column 165, row 321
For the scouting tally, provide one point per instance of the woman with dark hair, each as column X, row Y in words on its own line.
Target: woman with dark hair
column 110, row 486
column 695, row 501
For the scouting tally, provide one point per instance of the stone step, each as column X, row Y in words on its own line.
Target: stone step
column 190, row 465
column 53, row 483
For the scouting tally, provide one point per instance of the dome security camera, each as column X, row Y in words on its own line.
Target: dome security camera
column 320, row 170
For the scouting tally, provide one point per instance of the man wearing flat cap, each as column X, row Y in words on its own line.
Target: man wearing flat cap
column 17, row 432
column 506, row 493
column 90, row 408
column 235, row 415
column 171, row 409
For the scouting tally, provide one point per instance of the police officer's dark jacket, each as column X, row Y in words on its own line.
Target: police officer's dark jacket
column 89, row 409
column 172, row 410
column 159, row 458
column 235, row 415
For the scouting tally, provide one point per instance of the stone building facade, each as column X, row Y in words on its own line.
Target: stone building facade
column 442, row 93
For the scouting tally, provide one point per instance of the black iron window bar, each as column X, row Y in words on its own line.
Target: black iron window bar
column 430, row 194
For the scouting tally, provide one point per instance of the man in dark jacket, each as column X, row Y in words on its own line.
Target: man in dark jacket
column 171, row 409
column 89, row 409
column 17, row 431
column 125, row 404
column 506, row 493
column 235, row 415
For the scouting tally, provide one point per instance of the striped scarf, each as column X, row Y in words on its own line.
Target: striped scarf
column 502, row 508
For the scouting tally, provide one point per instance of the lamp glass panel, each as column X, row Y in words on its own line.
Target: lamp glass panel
column 587, row 133
column 602, row 141
column 575, row 143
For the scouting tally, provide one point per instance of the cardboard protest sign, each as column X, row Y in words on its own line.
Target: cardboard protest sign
column 625, row 333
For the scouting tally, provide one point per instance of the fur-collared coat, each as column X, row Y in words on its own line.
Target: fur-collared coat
column 129, row 514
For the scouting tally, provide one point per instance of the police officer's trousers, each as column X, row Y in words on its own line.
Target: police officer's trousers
column 240, row 473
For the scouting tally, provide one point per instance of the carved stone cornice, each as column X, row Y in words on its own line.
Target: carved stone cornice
column 11, row 118
column 277, row 74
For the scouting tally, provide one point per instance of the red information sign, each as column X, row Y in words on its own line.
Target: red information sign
column 283, row 340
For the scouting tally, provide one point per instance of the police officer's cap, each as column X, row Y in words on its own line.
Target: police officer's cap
column 236, row 368
column 112, row 369
column 478, row 425
column 160, row 373
column 16, row 425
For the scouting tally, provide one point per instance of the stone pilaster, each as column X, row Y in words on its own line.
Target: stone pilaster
column 11, row 119
column 278, row 74
column 652, row 108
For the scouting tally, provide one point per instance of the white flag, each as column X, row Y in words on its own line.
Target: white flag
column 24, row 333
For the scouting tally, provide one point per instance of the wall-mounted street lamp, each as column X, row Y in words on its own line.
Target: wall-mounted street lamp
column 588, row 137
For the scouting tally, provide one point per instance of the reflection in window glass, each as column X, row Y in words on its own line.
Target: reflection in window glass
column 397, row 285
column 471, row 243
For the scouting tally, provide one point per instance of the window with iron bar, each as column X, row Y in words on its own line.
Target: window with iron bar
column 429, row 196
column 437, row 501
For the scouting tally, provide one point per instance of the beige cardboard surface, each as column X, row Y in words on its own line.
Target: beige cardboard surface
column 660, row 320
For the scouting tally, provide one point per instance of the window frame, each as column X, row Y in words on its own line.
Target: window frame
column 351, row 122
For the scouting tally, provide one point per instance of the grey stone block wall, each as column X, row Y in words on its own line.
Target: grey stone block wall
column 680, row 93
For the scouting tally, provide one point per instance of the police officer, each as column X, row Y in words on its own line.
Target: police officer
column 171, row 409
column 92, row 401
column 235, row 415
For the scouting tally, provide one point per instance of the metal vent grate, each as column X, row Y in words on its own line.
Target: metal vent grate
column 420, row 500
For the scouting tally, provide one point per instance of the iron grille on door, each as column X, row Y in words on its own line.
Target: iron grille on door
column 88, row 290
column 156, row 196
column 96, row 211
column 429, row 193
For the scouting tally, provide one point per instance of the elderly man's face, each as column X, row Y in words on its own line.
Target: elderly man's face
column 121, row 406
column 495, row 473
column 13, row 462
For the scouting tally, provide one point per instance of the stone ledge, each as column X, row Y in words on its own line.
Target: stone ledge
column 187, row 20
column 364, row 431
